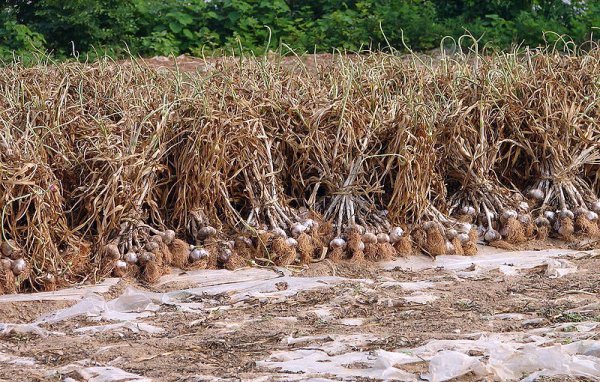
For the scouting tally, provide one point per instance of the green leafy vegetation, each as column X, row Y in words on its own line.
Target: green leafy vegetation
column 88, row 28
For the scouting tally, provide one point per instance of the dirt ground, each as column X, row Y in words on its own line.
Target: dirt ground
column 331, row 321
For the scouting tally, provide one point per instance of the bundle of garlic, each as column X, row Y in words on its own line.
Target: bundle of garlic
column 501, row 213
column 414, row 171
column 37, row 239
column 471, row 115
column 558, row 140
column 565, row 201
column 336, row 144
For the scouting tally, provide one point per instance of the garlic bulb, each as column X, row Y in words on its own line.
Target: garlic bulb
column 8, row 247
column 198, row 253
column 298, row 229
column 396, row 234
column 225, row 255
column 550, row 215
column 361, row 246
column 311, row 225
column 536, row 194
column 18, row 266
column 451, row 233
column 279, row 232
column 492, row 235
column 542, row 222
column 168, row 236
column 206, row 232
column 146, row 257
column 151, row 246
column 359, row 228
column 291, row 242
column 121, row 264
column 383, row 238
column 509, row 214
column 463, row 237
column 464, row 228
column 468, row 210
column 131, row 257
column 524, row 218
column 338, row 242
column 112, row 251
column 369, row 238
column 566, row 214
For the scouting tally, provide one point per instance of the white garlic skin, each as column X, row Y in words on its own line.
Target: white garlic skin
column 206, row 232
column 542, row 222
column 524, row 219
column 463, row 237
column 369, row 238
column 338, row 242
column 491, row 235
column 509, row 214
column 591, row 215
column 396, row 234
column 464, row 228
column 168, row 236
column 131, row 257
column 451, row 234
column 298, row 229
column 198, row 253
column 468, row 210
column 18, row 266
column 536, row 194
column 566, row 214
column 550, row 215
column 383, row 238
column 291, row 242
column 280, row 233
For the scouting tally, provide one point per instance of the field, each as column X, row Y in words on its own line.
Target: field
column 498, row 314
column 275, row 214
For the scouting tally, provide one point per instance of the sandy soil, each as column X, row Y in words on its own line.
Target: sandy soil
column 331, row 321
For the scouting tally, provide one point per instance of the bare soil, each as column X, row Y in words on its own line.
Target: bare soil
column 228, row 338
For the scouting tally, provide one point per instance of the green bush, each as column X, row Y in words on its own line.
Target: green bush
column 164, row 27
column 17, row 39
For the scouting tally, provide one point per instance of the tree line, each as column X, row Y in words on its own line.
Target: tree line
column 88, row 28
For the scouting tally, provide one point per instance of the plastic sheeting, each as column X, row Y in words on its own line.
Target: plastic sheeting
column 68, row 294
column 508, row 262
column 510, row 361
column 110, row 374
column 503, row 357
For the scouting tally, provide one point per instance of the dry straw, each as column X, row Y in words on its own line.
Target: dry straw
column 124, row 169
